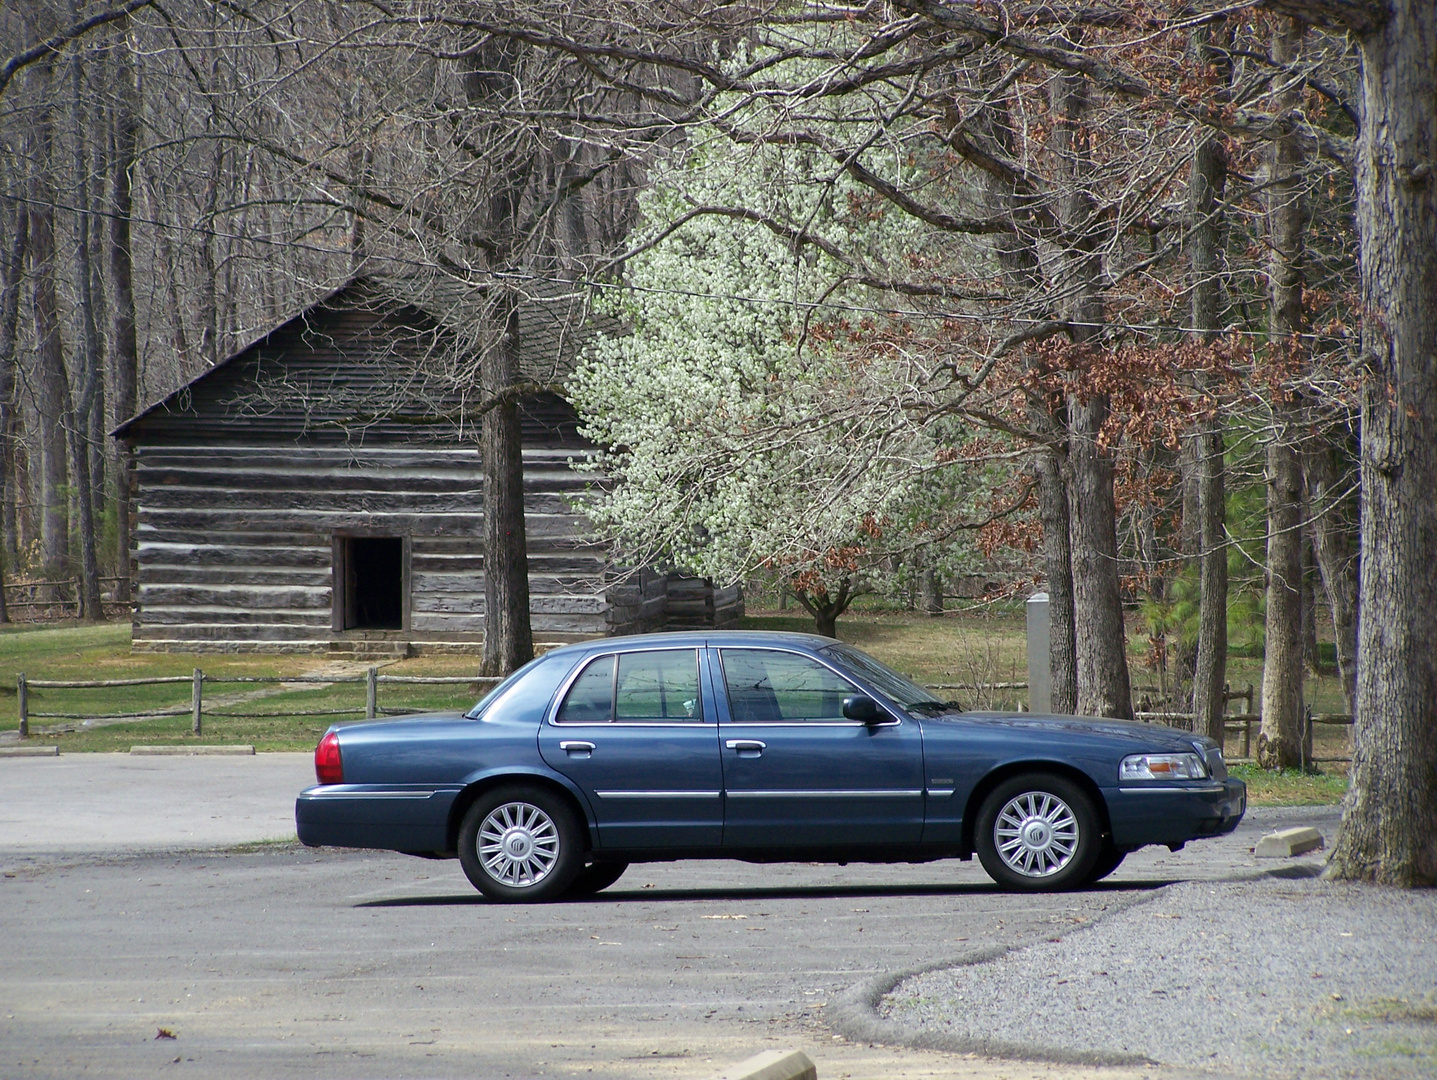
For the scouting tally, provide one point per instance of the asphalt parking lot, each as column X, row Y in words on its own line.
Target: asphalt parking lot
column 129, row 912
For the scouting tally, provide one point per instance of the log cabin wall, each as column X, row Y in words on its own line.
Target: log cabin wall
column 273, row 492
column 236, row 547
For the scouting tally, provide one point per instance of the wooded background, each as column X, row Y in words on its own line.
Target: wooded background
column 1104, row 259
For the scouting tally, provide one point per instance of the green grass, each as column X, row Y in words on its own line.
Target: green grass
column 1292, row 787
column 103, row 652
column 984, row 645
column 965, row 648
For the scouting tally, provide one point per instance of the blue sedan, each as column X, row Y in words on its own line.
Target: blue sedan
column 758, row 746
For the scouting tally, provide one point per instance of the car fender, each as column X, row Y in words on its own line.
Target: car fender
column 481, row 780
column 1019, row 763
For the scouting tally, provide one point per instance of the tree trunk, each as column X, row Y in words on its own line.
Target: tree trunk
column 826, row 607
column 90, row 360
column 209, row 267
column 1334, row 547
column 508, row 633
column 14, row 263
column 931, row 588
column 1206, row 184
column 1210, row 664
column 1389, row 825
column 1058, row 564
column 508, row 638
column 1279, row 744
column 126, row 351
column 1100, row 642
column 52, row 401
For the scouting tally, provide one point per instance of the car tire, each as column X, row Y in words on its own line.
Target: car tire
column 594, row 878
column 1109, row 859
column 520, row 844
column 1038, row 833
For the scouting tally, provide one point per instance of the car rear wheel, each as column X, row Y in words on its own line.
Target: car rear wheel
column 595, row 878
column 520, row 844
column 1038, row 833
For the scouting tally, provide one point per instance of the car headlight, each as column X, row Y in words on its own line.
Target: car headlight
column 1162, row 767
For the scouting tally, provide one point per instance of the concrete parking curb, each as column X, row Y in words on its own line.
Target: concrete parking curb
column 29, row 751
column 236, row 750
column 855, row 1016
column 773, row 1065
column 1286, row 843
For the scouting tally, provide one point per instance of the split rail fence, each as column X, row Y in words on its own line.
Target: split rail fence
column 1236, row 722
column 47, row 601
column 196, row 707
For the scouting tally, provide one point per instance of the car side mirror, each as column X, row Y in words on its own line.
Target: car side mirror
column 861, row 707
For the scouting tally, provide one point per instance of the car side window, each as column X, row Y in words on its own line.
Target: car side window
column 765, row 685
column 658, row 685
column 590, row 699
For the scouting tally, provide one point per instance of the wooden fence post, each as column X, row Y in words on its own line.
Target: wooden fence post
column 371, row 694
column 196, row 698
column 23, row 698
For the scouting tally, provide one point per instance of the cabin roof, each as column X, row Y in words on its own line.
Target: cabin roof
column 378, row 361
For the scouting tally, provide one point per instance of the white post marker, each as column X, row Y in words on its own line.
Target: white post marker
column 1040, row 675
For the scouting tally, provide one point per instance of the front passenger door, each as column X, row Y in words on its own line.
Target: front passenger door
column 797, row 772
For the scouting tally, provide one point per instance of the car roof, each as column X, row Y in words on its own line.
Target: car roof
column 696, row 638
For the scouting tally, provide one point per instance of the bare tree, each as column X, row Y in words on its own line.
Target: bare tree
column 1389, row 826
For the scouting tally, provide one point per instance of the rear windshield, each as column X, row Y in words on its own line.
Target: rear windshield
column 488, row 700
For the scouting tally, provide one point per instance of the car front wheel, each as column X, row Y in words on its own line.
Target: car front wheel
column 595, row 878
column 1038, row 833
column 1109, row 859
column 520, row 844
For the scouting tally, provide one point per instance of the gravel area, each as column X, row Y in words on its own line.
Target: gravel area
column 1275, row 977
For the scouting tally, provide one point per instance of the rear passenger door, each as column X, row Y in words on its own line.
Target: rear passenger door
column 635, row 731
column 796, row 771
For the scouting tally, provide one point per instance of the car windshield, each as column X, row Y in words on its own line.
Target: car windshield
column 904, row 693
column 493, row 695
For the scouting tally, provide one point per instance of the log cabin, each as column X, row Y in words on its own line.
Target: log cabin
column 322, row 490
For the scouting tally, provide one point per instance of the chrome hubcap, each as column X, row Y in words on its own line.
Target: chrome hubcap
column 518, row 844
column 1036, row 834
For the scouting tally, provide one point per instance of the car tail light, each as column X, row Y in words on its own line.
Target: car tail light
column 327, row 766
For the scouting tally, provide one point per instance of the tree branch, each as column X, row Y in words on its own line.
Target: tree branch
column 58, row 40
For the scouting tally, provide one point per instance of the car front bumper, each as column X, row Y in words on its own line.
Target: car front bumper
column 1174, row 813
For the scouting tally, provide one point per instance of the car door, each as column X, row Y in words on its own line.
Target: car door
column 796, row 772
column 635, row 731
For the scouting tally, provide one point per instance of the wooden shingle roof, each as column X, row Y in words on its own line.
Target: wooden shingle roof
column 378, row 362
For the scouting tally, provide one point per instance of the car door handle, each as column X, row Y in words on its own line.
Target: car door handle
column 575, row 746
column 746, row 746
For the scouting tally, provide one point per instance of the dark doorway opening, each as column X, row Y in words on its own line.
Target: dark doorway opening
column 373, row 582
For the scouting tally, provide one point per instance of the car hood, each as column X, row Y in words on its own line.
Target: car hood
column 1148, row 735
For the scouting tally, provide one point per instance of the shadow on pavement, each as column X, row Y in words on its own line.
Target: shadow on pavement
column 809, row 892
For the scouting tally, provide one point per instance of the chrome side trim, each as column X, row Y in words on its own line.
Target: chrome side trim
column 1206, row 789
column 766, row 725
column 369, row 794
column 605, row 725
column 657, row 794
column 880, row 793
column 940, row 792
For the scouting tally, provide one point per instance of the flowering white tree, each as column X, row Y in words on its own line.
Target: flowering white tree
column 759, row 415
